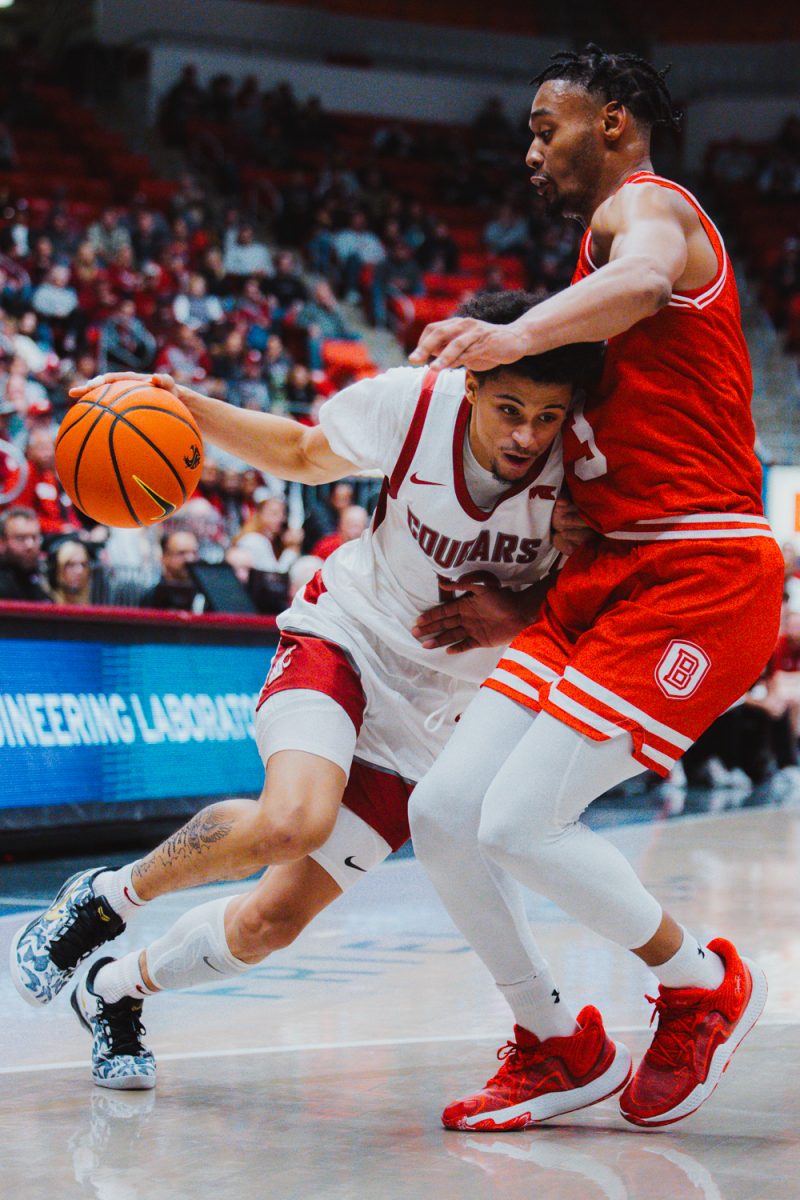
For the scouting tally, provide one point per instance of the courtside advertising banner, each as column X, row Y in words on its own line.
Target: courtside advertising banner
column 86, row 721
column 783, row 503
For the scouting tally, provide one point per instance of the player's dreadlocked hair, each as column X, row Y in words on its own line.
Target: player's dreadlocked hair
column 626, row 78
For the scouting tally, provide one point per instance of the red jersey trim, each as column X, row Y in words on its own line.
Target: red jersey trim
column 380, row 508
column 406, row 455
column 314, row 588
column 462, row 492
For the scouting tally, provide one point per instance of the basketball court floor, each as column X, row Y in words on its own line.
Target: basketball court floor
column 322, row 1073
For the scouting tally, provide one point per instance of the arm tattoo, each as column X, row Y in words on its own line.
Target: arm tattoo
column 206, row 828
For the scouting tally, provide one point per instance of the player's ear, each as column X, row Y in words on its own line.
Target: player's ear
column 615, row 120
column 470, row 387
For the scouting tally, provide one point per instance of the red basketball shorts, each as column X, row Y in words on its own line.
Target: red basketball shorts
column 656, row 639
column 376, row 795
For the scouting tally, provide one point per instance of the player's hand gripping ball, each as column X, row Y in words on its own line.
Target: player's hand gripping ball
column 129, row 454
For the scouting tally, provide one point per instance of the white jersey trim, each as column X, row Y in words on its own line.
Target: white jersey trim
column 695, row 527
column 681, row 299
column 626, row 709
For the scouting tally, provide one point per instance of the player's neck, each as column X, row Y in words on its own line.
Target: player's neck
column 619, row 171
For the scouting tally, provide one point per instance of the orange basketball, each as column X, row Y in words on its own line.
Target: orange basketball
column 129, row 454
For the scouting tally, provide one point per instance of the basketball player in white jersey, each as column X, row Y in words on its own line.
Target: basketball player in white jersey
column 355, row 707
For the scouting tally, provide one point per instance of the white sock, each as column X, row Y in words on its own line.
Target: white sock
column 123, row 977
column 118, row 889
column 538, row 1007
column 691, row 966
column 194, row 950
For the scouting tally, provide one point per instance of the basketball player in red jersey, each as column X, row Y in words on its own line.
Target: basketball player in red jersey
column 651, row 631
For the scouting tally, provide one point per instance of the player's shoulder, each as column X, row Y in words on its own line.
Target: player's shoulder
column 642, row 198
column 413, row 379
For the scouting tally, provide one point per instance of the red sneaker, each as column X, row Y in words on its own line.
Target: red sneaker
column 697, row 1034
column 539, row 1080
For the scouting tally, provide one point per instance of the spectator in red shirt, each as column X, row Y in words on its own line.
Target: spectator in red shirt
column 87, row 274
column 184, row 357
column 43, row 492
column 123, row 275
column 352, row 523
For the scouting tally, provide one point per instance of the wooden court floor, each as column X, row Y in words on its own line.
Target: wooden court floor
column 322, row 1073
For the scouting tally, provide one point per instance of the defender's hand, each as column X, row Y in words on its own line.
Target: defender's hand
column 568, row 527
column 485, row 616
column 465, row 342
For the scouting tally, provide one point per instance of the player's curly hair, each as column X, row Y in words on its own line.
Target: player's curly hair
column 626, row 78
column 580, row 363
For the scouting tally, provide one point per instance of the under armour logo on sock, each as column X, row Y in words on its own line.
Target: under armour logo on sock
column 555, row 992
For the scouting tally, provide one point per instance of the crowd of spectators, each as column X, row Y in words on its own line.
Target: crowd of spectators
column 241, row 297
column 368, row 215
column 758, row 187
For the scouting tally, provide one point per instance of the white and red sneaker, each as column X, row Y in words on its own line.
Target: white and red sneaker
column 698, row 1032
column 539, row 1080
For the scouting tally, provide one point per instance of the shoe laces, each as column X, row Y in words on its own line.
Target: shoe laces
column 123, row 1028
column 671, row 1044
column 85, row 932
column 514, row 1058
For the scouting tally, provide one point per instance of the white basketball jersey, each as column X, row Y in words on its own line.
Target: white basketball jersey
column 426, row 527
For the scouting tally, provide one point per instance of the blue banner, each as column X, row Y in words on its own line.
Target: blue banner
column 84, row 721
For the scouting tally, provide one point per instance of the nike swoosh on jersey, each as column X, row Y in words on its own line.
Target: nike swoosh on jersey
column 348, row 862
column 426, row 482
column 210, row 964
column 167, row 509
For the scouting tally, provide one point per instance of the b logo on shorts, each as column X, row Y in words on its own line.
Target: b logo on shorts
column 681, row 670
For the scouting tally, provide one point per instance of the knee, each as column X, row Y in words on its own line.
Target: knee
column 498, row 836
column 253, row 931
column 426, row 817
column 507, row 831
column 287, row 832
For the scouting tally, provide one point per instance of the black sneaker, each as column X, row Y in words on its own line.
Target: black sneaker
column 119, row 1057
column 46, row 952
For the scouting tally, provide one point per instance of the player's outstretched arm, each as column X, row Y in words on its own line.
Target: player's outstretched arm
column 277, row 445
column 647, row 233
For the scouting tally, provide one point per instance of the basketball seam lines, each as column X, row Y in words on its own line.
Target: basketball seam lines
column 122, row 417
column 118, row 474
column 90, row 404
column 84, row 444
column 105, row 409
column 152, row 445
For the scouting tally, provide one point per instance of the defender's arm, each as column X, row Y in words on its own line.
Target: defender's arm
column 648, row 254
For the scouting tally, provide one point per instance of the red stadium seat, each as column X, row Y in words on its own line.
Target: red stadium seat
column 345, row 360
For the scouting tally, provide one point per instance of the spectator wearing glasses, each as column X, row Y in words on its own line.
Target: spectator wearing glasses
column 20, row 556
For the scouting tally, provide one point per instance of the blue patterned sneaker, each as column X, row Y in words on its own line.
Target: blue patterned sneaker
column 120, row 1059
column 45, row 953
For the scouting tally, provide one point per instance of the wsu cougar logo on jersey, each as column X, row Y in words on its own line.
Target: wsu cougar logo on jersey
column 488, row 546
column 681, row 670
column 279, row 664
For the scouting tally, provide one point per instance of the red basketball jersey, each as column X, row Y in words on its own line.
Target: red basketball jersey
column 668, row 431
